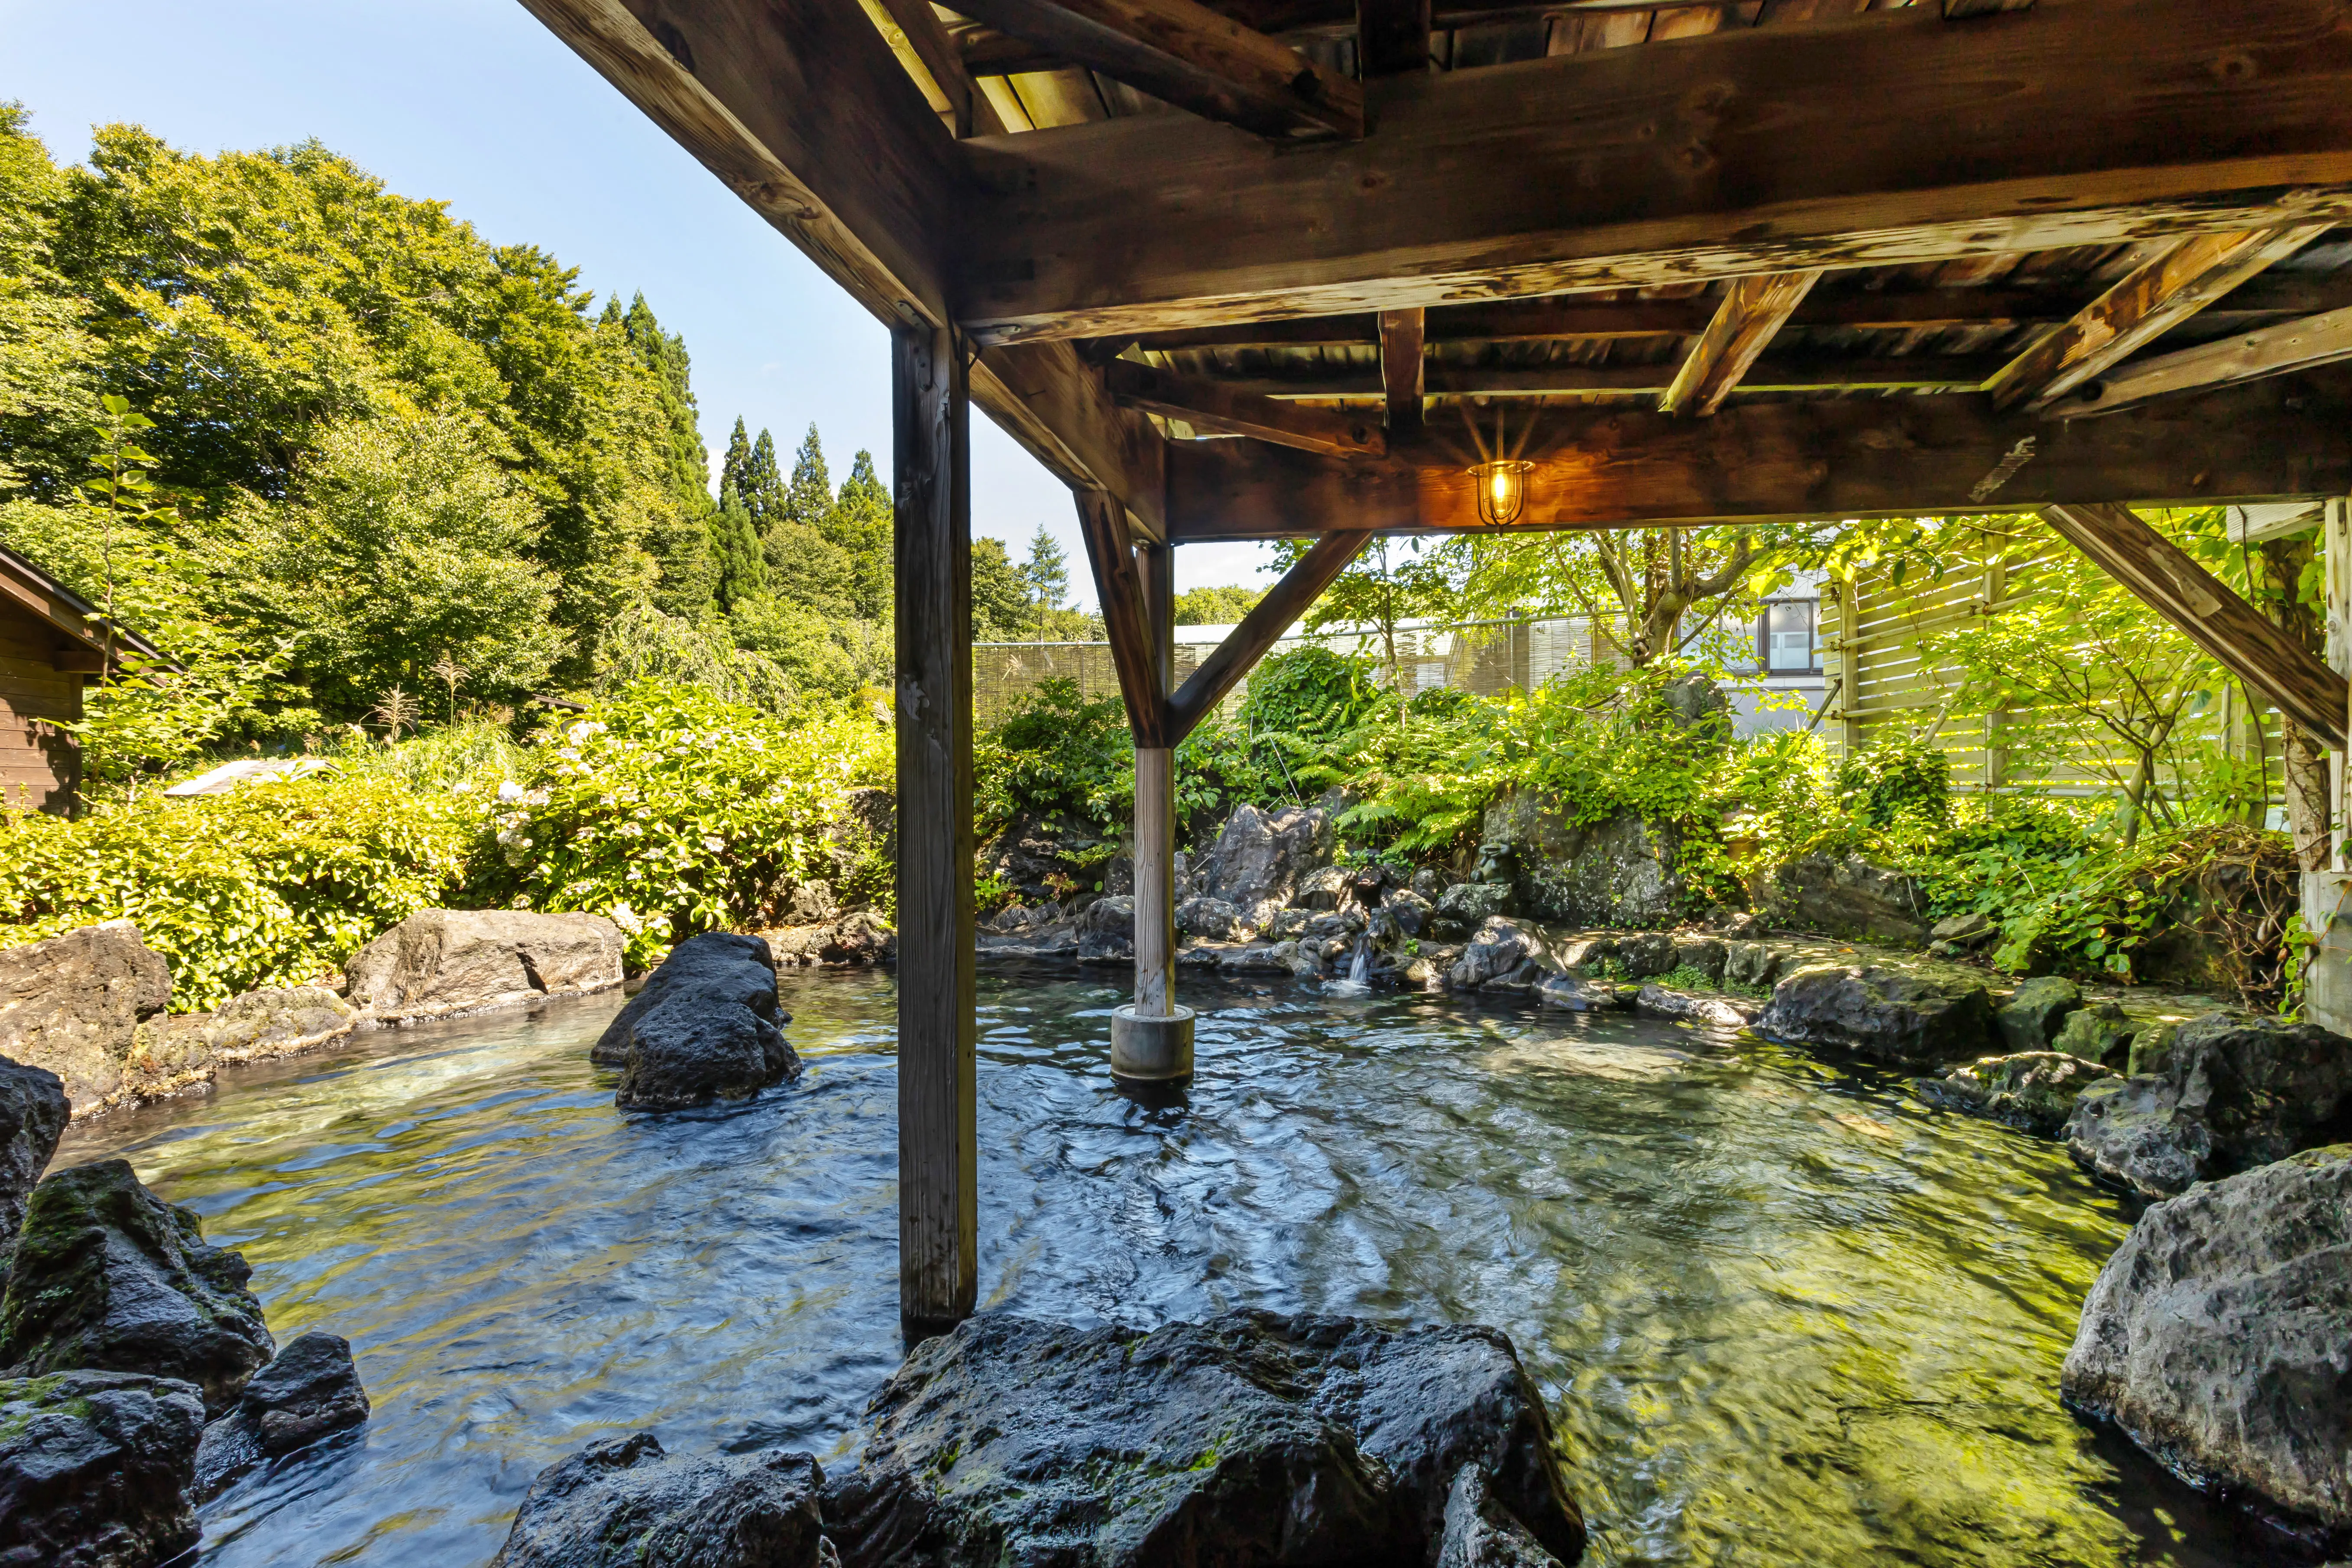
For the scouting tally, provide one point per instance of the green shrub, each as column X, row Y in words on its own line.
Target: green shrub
column 672, row 813
column 1897, row 779
column 1313, row 692
column 1059, row 753
column 271, row 884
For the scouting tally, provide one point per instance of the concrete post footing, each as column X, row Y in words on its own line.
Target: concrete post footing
column 1151, row 1050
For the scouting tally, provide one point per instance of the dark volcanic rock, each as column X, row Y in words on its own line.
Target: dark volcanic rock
column 1260, row 858
column 1106, row 930
column 705, row 1027
column 2035, row 1091
column 2216, row 1338
column 111, row 1278
column 2029, row 1020
column 1504, row 953
column 1620, row 871
column 622, row 1503
column 1849, row 898
column 33, row 1112
column 94, row 1469
column 2097, row 1032
column 2234, row 1093
column 1650, row 954
column 1215, row 919
column 310, row 1391
column 71, row 1005
column 1884, row 1014
column 437, row 962
column 1465, row 906
column 1249, row 1439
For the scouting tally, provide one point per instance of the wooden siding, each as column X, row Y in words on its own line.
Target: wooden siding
column 40, row 764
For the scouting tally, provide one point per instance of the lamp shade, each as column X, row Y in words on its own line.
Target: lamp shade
column 1502, row 491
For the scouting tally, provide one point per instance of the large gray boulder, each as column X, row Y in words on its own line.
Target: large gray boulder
column 1620, row 871
column 1465, row 906
column 621, row 1502
column 1106, row 930
column 706, row 1027
column 437, row 962
column 310, row 1391
column 1504, row 953
column 2035, row 1091
column 2233, row 1093
column 71, row 1005
column 109, row 1277
column 1260, row 858
column 94, row 1469
column 173, row 1052
column 1889, row 1014
column 33, row 1112
column 1249, row 1439
column 1847, row 898
column 2217, row 1336
column 1215, row 920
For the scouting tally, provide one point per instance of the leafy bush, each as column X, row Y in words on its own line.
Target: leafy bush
column 672, row 813
column 1060, row 752
column 271, row 884
column 1313, row 692
column 1897, row 779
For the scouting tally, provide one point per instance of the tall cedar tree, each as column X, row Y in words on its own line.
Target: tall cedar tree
column 1047, row 574
column 735, row 468
column 761, row 486
column 741, row 570
column 809, row 497
column 859, row 525
column 683, row 547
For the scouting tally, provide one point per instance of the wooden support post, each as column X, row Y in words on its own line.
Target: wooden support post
column 2211, row 612
column 1402, row 381
column 938, row 1225
column 1155, row 800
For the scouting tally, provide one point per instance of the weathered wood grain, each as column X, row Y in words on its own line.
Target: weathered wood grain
column 2277, row 439
column 1259, row 630
column 1126, row 624
column 919, row 23
column 2210, row 613
column 1888, row 138
column 1213, row 406
column 1403, row 378
column 2246, row 356
column 1753, row 309
column 1185, row 54
column 938, row 1226
column 2157, row 296
column 1803, row 373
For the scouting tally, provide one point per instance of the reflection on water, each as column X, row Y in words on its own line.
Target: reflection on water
column 1783, row 1315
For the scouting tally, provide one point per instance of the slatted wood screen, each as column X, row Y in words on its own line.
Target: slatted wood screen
column 1884, row 685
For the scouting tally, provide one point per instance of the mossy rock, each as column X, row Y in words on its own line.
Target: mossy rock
column 108, row 1277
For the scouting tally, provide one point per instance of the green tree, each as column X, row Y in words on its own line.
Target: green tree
column 808, row 498
column 680, row 539
column 741, row 571
column 735, row 468
column 860, row 525
column 1046, row 577
column 50, row 420
column 1000, row 599
column 761, row 488
column 1391, row 582
column 405, row 544
column 1218, row 606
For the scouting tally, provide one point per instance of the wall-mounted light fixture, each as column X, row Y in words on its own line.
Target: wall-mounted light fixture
column 1501, row 475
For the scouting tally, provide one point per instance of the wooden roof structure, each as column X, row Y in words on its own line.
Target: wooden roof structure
column 1237, row 270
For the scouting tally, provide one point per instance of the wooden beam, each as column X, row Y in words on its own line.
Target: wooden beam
column 1402, row 381
column 2246, row 356
column 1810, row 372
column 2280, row 439
column 1184, row 52
column 2210, row 613
column 939, row 1226
column 1125, row 620
column 1259, row 630
column 1751, row 314
column 1155, row 798
column 2157, row 296
column 1392, row 37
column 918, row 22
column 1718, row 157
column 801, row 109
column 1208, row 406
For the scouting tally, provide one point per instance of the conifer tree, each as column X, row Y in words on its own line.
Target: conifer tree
column 735, row 469
column 859, row 526
column 742, row 572
column 1047, row 575
column 809, row 498
column 762, row 488
column 682, row 549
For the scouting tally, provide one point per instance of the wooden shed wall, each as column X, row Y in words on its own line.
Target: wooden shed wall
column 40, row 764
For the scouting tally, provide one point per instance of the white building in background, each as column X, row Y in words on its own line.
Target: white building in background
column 1780, row 648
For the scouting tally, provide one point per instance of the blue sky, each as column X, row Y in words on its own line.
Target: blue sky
column 473, row 102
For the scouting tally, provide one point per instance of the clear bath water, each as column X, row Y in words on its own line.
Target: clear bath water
column 1784, row 1314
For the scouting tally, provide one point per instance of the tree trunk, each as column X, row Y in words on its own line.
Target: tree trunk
column 2130, row 813
column 2278, row 564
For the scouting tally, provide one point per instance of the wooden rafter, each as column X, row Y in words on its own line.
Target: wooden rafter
column 1600, row 468
column 801, row 109
column 2246, row 356
column 1185, row 54
column 2270, row 297
column 1718, row 157
column 1208, row 406
column 1753, row 309
column 2157, row 296
column 2210, row 613
column 1392, row 37
column 1259, row 630
column 1126, row 623
column 918, row 24
column 1804, row 373
column 1402, row 371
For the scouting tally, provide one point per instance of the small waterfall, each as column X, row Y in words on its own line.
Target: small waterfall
column 1360, row 972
